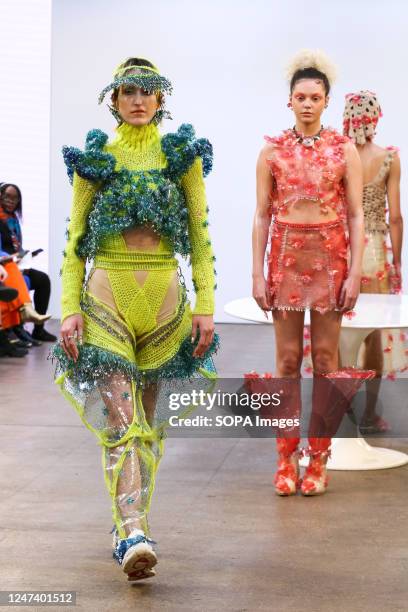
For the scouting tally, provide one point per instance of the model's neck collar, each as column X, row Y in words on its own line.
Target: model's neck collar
column 137, row 137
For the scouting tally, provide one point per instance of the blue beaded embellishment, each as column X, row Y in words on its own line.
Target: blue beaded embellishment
column 124, row 545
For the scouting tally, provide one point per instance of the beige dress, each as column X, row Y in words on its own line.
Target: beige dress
column 376, row 276
column 376, row 267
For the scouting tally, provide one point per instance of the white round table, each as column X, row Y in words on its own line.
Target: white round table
column 373, row 311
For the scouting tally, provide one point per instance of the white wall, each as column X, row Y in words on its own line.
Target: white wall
column 25, row 47
column 226, row 60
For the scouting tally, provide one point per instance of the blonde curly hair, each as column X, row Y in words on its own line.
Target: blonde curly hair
column 311, row 63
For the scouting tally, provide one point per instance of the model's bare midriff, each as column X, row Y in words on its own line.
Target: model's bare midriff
column 309, row 211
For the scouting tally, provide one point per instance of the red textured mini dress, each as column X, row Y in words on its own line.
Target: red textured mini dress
column 307, row 262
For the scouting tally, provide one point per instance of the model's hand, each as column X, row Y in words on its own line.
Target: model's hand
column 260, row 293
column 204, row 326
column 350, row 291
column 71, row 335
column 3, row 274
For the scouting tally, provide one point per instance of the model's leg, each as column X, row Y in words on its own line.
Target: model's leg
column 165, row 311
column 289, row 349
column 373, row 360
column 128, row 466
column 374, row 262
column 164, row 304
column 123, row 462
column 328, row 404
column 138, row 466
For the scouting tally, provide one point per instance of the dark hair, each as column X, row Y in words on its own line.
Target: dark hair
column 310, row 73
column 134, row 61
column 137, row 61
column 19, row 207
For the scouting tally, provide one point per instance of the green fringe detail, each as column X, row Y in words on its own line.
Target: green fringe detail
column 95, row 363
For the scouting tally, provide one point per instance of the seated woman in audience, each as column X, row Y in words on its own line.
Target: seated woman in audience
column 10, row 214
column 20, row 309
column 7, row 294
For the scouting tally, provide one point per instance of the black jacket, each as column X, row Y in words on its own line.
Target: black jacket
column 6, row 243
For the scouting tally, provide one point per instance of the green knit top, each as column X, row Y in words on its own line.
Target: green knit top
column 140, row 178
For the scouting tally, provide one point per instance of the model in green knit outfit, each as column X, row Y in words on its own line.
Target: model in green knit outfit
column 127, row 330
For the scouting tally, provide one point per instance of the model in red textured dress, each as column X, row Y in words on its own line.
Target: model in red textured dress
column 309, row 205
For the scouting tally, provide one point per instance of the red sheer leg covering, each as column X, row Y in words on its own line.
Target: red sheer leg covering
column 331, row 398
column 287, row 480
column 328, row 408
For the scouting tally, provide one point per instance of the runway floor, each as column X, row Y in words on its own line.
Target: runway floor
column 226, row 541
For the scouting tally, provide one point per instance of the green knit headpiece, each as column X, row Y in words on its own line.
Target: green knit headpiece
column 146, row 77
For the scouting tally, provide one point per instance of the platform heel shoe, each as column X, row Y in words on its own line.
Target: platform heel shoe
column 287, row 480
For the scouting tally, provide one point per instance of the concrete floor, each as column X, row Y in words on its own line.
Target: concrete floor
column 226, row 541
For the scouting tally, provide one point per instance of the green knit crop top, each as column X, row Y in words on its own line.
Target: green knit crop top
column 140, row 178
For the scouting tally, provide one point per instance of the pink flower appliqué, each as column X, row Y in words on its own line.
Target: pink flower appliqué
column 306, row 278
column 350, row 314
column 294, row 299
column 289, row 260
column 286, row 153
column 343, row 253
column 356, row 122
column 293, row 180
column 277, row 277
column 251, row 375
column 297, row 243
column 318, row 264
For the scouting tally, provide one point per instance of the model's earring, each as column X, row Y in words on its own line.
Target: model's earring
column 159, row 115
column 115, row 113
column 289, row 105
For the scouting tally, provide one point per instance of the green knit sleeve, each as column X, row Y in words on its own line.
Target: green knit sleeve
column 202, row 257
column 73, row 267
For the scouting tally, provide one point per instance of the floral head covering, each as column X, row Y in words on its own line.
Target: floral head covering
column 361, row 114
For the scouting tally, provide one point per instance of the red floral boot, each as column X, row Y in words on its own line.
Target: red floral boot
column 287, row 480
column 331, row 397
column 315, row 479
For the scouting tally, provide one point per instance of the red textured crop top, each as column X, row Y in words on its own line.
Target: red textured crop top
column 313, row 172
